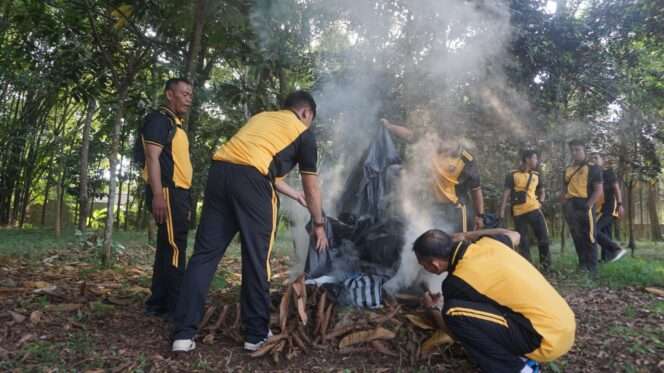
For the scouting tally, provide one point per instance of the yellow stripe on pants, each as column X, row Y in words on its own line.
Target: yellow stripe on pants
column 272, row 234
column 469, row 312
column 175, row 260
column 592, row 226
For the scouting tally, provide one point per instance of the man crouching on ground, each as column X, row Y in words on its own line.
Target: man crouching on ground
column 497, row 305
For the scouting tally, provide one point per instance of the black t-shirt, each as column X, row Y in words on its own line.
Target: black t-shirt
column 609, row 194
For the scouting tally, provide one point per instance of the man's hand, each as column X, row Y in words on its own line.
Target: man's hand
column 321, row 238
column 621, row 211
column 159, row 210
column 431, row 300
column 479, row 223
column 301, row 199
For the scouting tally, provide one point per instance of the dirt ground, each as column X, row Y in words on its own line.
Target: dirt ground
column 64, row 313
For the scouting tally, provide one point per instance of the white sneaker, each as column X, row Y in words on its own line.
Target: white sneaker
column 620, row 254
column 183, row 345
column 255, row 346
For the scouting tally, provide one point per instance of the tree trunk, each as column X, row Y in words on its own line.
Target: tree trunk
column 83, row 197
column 123, row 91
column 127, row 204
column 58, row 205
column 118, row 208
column 47, row 190
column 655, row 230
column 140, row 196
column 562, row 235
column 630, row 215
column 642, row 221
column 195, row 44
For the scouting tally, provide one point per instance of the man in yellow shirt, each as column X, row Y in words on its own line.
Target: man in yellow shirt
column 582, row 188
column 455, row 176
column 525, row 190
column 497, row 305
column 240, row 196
column 168, row 174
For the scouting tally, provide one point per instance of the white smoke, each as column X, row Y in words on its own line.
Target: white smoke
column 422, row 61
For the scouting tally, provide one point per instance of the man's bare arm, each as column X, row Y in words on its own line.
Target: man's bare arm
column 399, row 131
column 152, row 153
column 515, row 237
column 314, row 204
column 598, row 191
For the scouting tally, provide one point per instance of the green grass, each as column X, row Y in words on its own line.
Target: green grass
column 646, row 269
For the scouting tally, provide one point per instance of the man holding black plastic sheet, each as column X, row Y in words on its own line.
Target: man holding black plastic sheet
column 240, row 197
column 497, row 305
column 582, row 188
column 524, row 188
column 454, row 175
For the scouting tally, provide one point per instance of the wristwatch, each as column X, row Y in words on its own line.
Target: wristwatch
column 319, row 224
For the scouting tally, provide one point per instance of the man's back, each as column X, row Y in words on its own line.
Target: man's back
column 497, row 274
column 272, row 142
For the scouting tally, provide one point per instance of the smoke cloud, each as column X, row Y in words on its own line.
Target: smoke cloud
column 435, row 65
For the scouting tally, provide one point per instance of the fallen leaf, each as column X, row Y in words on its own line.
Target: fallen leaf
column 37, row 284
column 268, row 345
column 64, row 307
column 137, row 290
column 50, row 290
column 18, row 318
column 656, row 291
column 438, row 338
column 420, row 322
column 24, row 339
column 209, row 339
column 119, row 301
column 381, row 347
column 365, row 336
column 36, row 317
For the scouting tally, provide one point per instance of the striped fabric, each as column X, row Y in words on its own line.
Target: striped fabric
column 365, row 290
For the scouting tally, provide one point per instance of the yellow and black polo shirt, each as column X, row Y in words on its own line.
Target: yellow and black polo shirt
column 272, row 142
column 490, row 271
column 516, row 181
column 607, row 204
column 174, row 160
column 454, row 176
column 580, row 179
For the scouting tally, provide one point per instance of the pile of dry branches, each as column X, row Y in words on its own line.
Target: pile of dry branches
column 307, row 319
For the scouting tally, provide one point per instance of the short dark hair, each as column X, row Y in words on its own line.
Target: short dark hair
column 576, row 142
column 433, row 243
column 527, row 153
column 171, row 83
column 298, row 99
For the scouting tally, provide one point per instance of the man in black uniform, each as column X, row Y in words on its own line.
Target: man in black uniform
column 524, row 187
column 168, row 174
column 582, row 188
column 609, row 209
column 240, row 197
